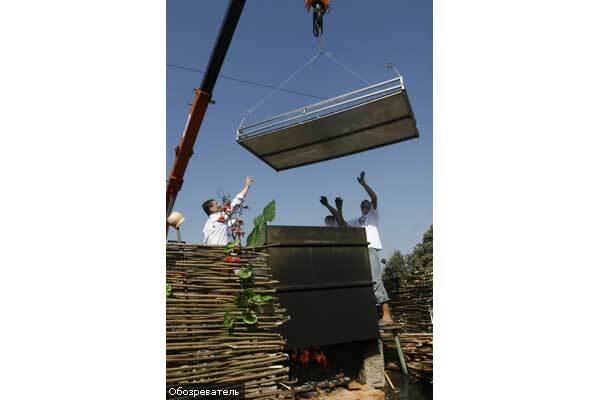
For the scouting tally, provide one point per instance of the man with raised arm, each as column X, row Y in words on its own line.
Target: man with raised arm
column 216, row 228
column 370, row 221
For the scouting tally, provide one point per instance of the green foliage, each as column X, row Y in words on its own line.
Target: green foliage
column 248, row 299
column 169, row 290
column 231, row 245
column 269, row 211
column 246, row 274
column 422, row 255
column 259, row 299
column 257, row 236
column 250, row 318
column 229, row 321
column 259, row 220
column 242, row 299
column 251, row 238
column 399, row 266
column 428, row 236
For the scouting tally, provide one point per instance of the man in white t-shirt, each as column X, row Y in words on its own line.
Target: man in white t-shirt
column 370, row 221
column 216, row 228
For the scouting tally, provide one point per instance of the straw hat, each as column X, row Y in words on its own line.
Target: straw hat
column 176, row 219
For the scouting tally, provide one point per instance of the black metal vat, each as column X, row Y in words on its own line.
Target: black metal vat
column 325, row 284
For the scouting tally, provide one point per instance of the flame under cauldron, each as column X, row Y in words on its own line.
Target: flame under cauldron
column 308, row 355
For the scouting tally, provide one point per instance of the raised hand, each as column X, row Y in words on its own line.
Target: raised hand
column 324, row 201
column 338, row 202
column 361, row 178
column 246, row 187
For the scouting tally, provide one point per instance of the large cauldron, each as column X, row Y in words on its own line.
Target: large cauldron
column 324, row 282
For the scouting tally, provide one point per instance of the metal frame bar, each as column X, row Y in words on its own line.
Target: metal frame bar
column 243, row 133
column 309, row 243
column 267, row 129
column 326, row 286
column 328, row 100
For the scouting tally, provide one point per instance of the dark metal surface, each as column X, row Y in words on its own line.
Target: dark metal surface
column 325, row 284
column 380, row 122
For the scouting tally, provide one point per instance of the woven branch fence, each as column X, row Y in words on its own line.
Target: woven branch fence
column 411, row 302
column 200, row 349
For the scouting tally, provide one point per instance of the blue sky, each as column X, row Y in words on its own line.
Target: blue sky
column 272, row 40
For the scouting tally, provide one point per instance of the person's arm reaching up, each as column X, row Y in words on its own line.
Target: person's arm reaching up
column 370, row 192
column 340, row 216
column 323, row 200
column 247, row 184
column 241, row 195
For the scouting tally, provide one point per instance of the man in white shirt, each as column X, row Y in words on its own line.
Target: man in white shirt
column 370, row 221
column 216, row 228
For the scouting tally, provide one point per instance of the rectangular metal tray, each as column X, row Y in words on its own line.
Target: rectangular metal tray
column 368, row 118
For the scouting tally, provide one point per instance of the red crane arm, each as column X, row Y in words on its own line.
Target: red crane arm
column 185, row 148
column 203, row 95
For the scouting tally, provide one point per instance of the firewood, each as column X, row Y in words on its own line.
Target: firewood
column 411, row 302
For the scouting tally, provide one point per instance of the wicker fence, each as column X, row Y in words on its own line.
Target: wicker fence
column 203, row 291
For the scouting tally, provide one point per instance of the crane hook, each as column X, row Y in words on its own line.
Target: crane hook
column 320, row 7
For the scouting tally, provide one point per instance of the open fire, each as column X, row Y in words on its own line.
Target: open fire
column 308, row 355
column 329, row 373
column 311, row 365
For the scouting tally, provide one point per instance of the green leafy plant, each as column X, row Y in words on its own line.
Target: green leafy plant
column 257, row 236
column 259, row 220
column 231, row 246
column 169, row 290
column 258, row 299
column 247, row 298
column 246, row 274
column 269, row 211
column 247, row 301
column 250, row 318
column 229, row 321
column 242, row 300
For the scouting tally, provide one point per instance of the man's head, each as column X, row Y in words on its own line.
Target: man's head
column 211, row 206
column 330, row 220
column 365, row 207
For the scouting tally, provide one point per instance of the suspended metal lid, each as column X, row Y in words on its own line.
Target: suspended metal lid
column 365, row 119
